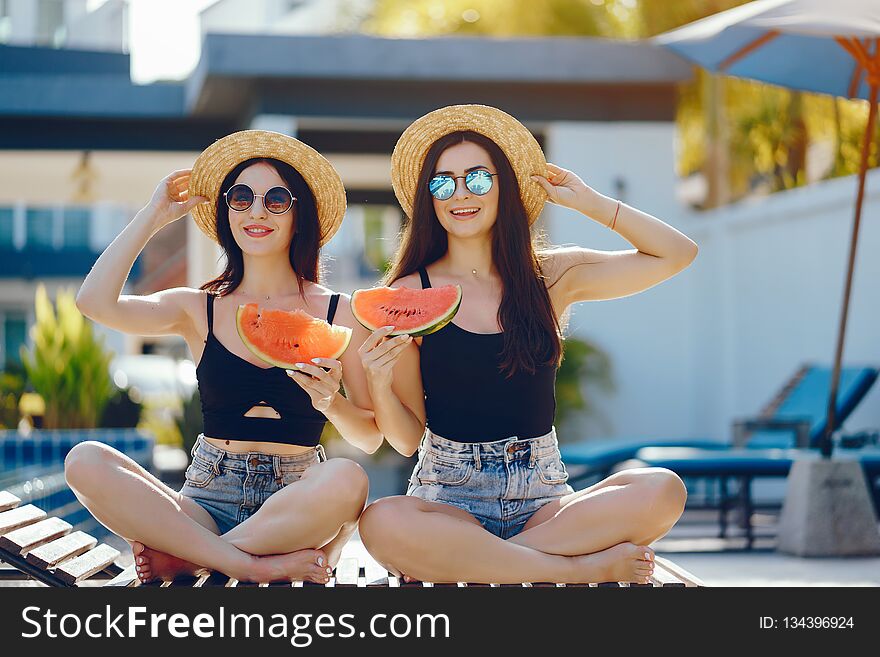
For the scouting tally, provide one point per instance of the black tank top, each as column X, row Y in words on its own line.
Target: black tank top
column 469, row 399
column 230, row 386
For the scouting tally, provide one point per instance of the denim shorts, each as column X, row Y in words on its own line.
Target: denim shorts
column 501, row 483
column 232, row 487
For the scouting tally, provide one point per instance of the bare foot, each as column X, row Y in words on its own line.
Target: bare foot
column 624, row 562
column 299, row 566
column 151, row 564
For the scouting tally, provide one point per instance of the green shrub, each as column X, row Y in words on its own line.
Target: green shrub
column 67, row 364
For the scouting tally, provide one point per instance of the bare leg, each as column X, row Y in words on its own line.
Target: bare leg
column 636, row 506
column 435, row 542
column 308, row 513
column 141, row 509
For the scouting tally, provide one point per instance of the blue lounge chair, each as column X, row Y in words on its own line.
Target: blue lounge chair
column 795, row 417
column 770, row 452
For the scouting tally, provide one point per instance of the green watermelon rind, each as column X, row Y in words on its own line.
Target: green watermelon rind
column 425, row 329
column 256, row 351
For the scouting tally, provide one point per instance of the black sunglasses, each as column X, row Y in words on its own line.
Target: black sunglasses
column 478, row 182
column 277, row 200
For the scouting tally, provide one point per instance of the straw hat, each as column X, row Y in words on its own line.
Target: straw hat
column 221, row 157
column 514, row 139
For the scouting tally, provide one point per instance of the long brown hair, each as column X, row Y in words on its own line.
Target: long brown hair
column 532, row 336
column 304, row 246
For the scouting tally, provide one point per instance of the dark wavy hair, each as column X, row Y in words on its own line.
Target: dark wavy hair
column 532, row 335
column 304, row 247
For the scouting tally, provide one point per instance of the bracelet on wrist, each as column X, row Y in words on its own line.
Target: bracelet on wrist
column 613, row 221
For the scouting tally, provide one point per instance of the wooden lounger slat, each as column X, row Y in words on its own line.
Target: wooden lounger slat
column 674, row 569
column 87, row 564
column 664, row 578
column 213, row 579
column 375, row 574
column 8, row 500
column 612, row 585
column 31, row 536
column 185, row 581
column 19, row 517
column 66, row 547
column 127, row 577
column 347, row 572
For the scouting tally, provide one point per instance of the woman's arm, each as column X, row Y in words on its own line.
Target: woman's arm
column 100, row 298
column 394, row 382
column 581, row 274
column 352, row 414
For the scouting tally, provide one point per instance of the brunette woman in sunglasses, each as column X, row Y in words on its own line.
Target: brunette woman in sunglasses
column 261, row 502
column 488, row 500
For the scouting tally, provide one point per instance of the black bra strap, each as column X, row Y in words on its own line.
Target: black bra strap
column 331, row 311
column 423, row 274
column 210, row 313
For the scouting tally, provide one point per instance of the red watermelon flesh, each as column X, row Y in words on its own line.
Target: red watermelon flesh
column 413, row 311
column 284, row 338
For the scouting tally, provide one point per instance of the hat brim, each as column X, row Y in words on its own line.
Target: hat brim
column 511, row 136
column 216, row 161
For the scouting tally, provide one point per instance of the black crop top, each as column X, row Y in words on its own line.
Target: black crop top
column 230, row 386
column 469, row 399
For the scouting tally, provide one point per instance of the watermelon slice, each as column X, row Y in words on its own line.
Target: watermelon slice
column 284, row 338
column 414, row 311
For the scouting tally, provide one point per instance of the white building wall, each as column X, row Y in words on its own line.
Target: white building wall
column 648, row 336
column 780, row 295
column 716, row 342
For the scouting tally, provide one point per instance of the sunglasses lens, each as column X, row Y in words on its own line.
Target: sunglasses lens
column 441, row 187
column 278, row 200
column 479, row 182
column 239, row 197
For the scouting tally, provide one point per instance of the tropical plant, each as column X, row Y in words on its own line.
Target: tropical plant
column 121, row 411
column 11, row 388
column 189, row 422
column 67, row 364
column 583, row 363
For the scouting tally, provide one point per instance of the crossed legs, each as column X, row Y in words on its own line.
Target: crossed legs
column 307, row 521
column 598, row 534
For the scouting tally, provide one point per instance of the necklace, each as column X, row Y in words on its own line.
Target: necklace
column 474, row 272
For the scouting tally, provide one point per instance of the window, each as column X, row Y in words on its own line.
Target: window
column 76, row 228
column 14, row 336
column 39, row 228
column 6, row 221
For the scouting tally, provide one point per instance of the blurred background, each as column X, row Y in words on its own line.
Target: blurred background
column 101, row 99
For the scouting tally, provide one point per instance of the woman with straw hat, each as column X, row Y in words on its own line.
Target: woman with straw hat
column 259, row 483
column 488, row 500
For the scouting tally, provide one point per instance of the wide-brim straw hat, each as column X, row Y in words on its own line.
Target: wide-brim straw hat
column 221, row 157
column 514, row 139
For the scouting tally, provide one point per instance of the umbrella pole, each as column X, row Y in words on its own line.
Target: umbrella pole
column 826, row 444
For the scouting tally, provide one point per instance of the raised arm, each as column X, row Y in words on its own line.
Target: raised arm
column 100, row 297
column 581, row 274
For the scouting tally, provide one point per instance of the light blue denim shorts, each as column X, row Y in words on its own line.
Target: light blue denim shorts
column 232, row 487
column 501, row 483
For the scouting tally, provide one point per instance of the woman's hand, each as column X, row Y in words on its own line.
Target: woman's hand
column 379, row 354
column 321, row 386
column 565, row 188
column 171, row 200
